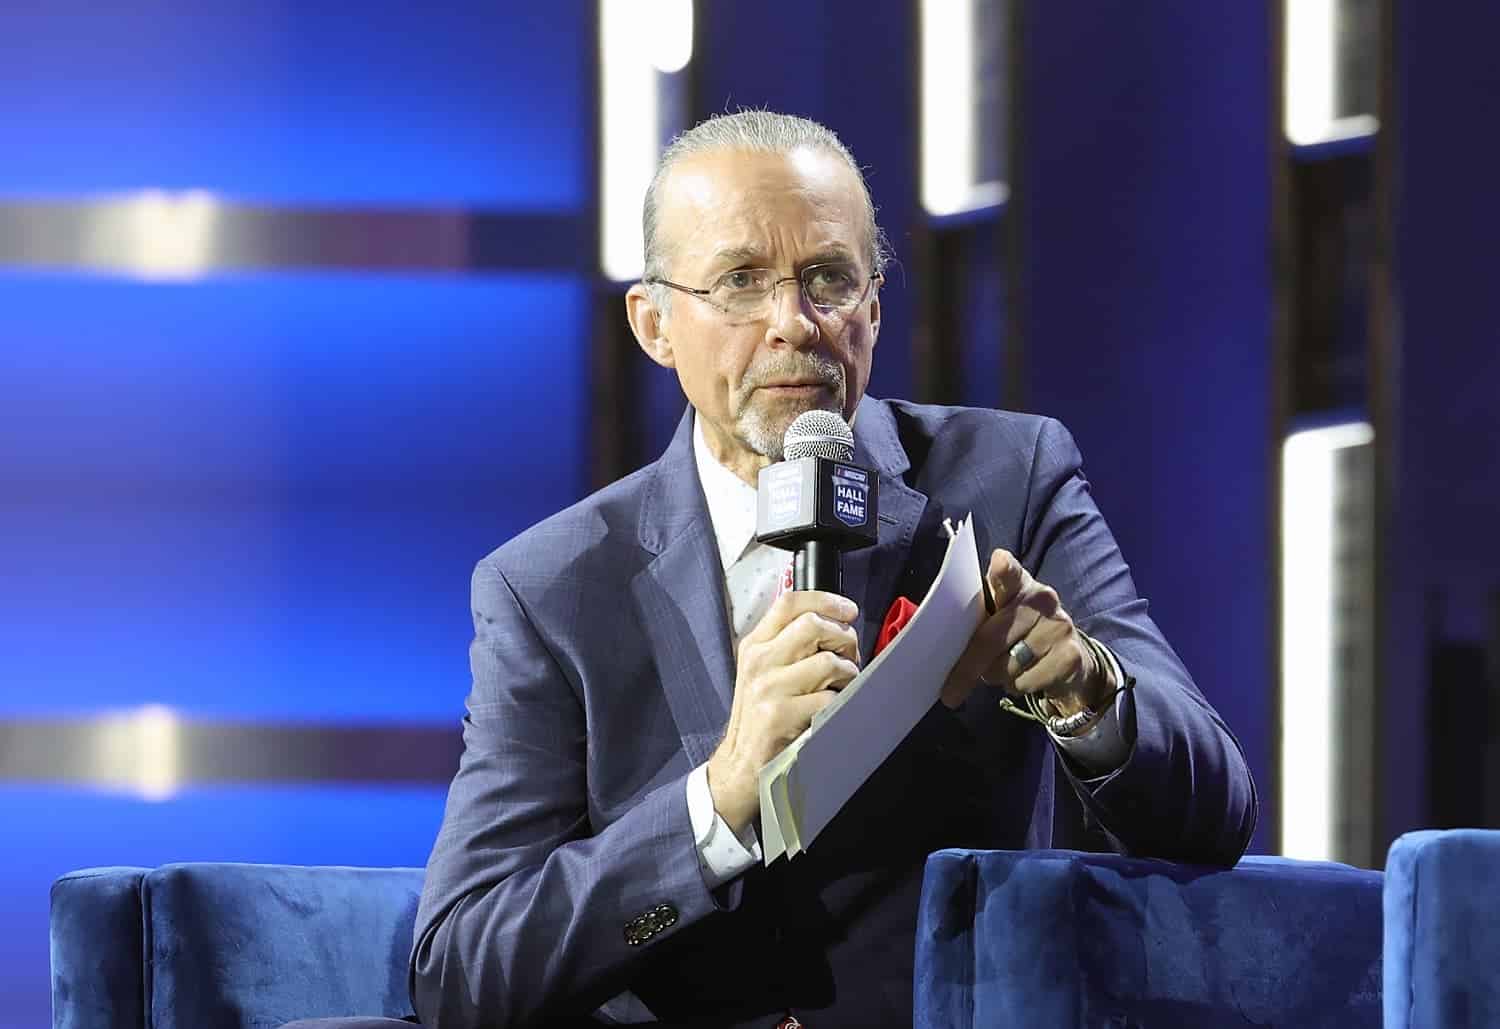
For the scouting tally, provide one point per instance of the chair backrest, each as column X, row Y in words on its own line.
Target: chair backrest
column 1442, row 930
column 1061, row 938
column 230, row 946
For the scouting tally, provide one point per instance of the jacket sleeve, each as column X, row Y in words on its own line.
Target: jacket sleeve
column 528, row 911
column 1185, row 792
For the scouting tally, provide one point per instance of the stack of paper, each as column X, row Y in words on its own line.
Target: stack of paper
column 808, row 783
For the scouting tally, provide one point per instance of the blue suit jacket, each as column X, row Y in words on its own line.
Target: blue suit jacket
column 603, row 674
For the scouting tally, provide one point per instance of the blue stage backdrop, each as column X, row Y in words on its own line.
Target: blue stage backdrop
column 457, row 105
column 262, row 497
column 1442, row 571
column 256, row 497
column 1146, row 312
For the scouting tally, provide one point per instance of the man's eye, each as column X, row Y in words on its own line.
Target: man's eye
column 833, row 278
column 740, row 280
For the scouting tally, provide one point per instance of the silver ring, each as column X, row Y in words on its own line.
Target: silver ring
column 1022, row 655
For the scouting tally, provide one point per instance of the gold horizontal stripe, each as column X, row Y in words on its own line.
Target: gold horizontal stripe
column 154, row 752
column 157, row 235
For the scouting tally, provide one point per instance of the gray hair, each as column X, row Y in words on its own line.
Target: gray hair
column 764, row 131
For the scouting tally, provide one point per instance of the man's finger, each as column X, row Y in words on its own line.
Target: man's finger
column 986, row 653
column 794, row 603
column 985, row 648
column 1023, row 621
column 1006, row 577
column 956, row 690
column 805, row 708
column 1040, row 638
column 1063, row 665
column 824, row 670
column 809, row 633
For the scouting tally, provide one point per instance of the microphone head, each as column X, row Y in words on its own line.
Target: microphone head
column 818, row 434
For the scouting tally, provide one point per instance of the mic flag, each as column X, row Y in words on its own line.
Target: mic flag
column 818, row 503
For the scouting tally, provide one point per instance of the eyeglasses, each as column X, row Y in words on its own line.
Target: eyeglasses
column 834, row 287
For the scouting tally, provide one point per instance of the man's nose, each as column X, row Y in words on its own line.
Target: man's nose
column 791, row 321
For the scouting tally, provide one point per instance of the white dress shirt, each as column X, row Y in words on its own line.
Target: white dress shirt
column 751, row 573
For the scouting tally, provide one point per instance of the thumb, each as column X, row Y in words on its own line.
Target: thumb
column 957, row 688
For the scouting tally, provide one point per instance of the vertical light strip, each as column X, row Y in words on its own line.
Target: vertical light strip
column 638, row 40
column 947, row 104
column 628, row 134
column 1310, row 82
column 1309, row 736
column 1309, row 68
column 671, row 42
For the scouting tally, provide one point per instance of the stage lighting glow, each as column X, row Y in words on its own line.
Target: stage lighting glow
column 141, row 752
column 1310, row 735
column 157, row 235
column 947, row 29
column 637, row 43
column 671, row 35
column 1310, row 80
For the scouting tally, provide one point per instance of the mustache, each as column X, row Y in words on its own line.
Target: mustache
column 782, row 367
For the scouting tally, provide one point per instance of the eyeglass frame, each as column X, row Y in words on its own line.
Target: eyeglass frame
column 705, row 294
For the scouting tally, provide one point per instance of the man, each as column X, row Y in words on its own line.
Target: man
column 634, row 668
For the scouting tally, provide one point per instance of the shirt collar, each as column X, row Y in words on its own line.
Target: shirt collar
column 731, row 500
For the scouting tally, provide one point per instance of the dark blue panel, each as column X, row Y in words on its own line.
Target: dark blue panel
column 1443, row 551
column 1146, row 213
column 381, row 103
column 52, row 831
column 853, row 73
column 983, row 316
column 262, row 497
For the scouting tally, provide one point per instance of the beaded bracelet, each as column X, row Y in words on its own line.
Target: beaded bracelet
column 1067, row 725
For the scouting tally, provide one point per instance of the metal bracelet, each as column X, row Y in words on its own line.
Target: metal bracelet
column 1060, row 725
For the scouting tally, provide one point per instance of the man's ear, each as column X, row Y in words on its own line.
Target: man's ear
column 875, row 319
column 649, row 324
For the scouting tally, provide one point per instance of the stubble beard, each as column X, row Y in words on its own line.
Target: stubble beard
column 761, row 420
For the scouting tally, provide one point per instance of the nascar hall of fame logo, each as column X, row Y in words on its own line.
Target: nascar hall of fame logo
column 851, row 495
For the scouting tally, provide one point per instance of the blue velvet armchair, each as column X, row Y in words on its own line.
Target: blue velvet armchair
column 223, row 946
column 1059, row 938
column 1442, row 930
column 1043, row 938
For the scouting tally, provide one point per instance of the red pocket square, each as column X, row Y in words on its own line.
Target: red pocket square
column 895, row 620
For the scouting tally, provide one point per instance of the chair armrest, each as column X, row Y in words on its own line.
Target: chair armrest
column 1442, row 930
column 1061, row 938
column 250, row 946
column 95, row 930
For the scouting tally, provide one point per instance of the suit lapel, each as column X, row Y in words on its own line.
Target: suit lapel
column 870, row 575
column 679, row 595
column 679, row 598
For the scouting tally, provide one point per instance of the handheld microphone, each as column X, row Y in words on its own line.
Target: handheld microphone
column 816, row 502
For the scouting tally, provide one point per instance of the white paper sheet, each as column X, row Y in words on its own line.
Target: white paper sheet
column 809, row 782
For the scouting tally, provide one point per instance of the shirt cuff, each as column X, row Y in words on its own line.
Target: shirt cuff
column 721, row 854
column 1107, row 744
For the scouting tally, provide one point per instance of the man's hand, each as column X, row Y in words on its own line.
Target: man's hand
column 1063, row 668
column 789, row 667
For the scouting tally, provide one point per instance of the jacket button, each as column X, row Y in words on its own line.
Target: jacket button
column 651, row 923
